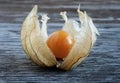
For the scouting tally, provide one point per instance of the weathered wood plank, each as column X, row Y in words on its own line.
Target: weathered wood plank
column 102, row 64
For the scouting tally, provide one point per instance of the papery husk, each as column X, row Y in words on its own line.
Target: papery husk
column 33, row 41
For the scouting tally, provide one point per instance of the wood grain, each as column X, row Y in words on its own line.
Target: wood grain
column 102, row 64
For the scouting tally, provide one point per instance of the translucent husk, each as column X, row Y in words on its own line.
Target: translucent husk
column 34, row 39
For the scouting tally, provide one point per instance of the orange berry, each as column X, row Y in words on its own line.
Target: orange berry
column 60, row 43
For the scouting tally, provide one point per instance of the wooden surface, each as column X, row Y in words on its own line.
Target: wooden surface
column 101, row 66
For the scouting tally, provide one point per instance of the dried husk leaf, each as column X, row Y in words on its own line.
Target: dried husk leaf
column 33, row 41
column 27, row 27
column 70, row 25
column 84, row 40
column 40, row 47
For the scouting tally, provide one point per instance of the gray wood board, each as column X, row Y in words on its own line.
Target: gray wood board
column 103, row 62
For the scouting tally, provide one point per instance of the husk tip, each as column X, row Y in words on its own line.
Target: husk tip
column 78, row 10
column 35, row 9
